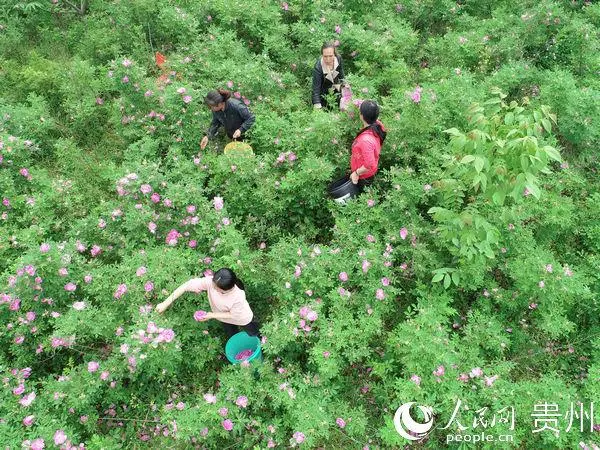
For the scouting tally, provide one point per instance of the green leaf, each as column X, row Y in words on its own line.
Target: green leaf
column 438, row 277
column 455, row 278
column 552, row 153
column 453, row 132
column 447, row 281
column 534, row 189
column 479, row 163
column 509, row 118
column 467, row 159
column 498, row 197
column 547, row 125
column 483, row 182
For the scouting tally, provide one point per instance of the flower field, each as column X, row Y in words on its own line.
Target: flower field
column 465, row 279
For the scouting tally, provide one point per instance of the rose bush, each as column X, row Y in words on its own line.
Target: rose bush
column 466, row 274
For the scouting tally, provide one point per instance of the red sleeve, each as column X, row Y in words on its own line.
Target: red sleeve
column 367, row 151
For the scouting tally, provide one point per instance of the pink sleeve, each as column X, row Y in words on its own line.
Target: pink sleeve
column 198, row 284
column 367, row 151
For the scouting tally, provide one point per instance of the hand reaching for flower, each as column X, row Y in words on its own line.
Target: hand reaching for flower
column 161, row 307
column 206, row 317
column 203, row 142
column 236, row 134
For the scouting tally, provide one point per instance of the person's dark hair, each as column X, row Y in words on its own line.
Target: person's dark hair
column 226, row 279
column 214, row 98
column 370, row 112
column 329, row 44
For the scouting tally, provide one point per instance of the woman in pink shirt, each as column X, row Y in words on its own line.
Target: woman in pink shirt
column 367, row 145
column 226, row 297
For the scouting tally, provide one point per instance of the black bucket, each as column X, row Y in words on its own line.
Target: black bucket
column 343, row 189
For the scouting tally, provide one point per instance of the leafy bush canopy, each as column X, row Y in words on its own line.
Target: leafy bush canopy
column 465, row 279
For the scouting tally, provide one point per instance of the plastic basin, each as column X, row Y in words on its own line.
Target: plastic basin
column 343, row 189
column 240, row 342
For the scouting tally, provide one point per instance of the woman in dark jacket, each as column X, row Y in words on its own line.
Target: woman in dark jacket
column 229, row 113
column 328, row 76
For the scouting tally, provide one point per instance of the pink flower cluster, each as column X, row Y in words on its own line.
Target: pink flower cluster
column 172, row 237
column 415, row 96
column 244, row 354
column 199, row 315
column 287, row 156
column 121, row 291
column 439, row 372
column 155, row 335
column 56, row 342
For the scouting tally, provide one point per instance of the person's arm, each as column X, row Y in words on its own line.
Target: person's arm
column 218, row 316
column 194, row 285
column 247, row 117
column 317, row 83
column 341, row 71
column 367, row 151
column 211, row 133
column 214, row 127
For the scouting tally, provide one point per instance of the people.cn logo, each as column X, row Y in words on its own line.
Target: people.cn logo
column 407, row 427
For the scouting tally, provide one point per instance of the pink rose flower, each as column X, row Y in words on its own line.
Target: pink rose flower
column 476, row 372
column 439, row 371
column 210, row 398
column 299, row 437
column 199, row 315
column 227, row 424
column 79, row 306
column 93, row 366
column 490, row 380
column 60, row 437
column 340, row 422
column 120, row 292
column 28, row 421
column 37, row 444
column 218, row 203
column 242, row 401
column 27, row 399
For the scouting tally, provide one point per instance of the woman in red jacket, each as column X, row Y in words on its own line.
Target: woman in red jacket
column 367, row 145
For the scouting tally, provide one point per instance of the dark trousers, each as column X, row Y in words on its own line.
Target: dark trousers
column 251, row 329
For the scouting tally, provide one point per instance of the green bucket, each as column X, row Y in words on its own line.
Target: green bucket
column 242, row 341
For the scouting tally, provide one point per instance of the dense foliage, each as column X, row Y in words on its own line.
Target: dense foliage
column 468, row 273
